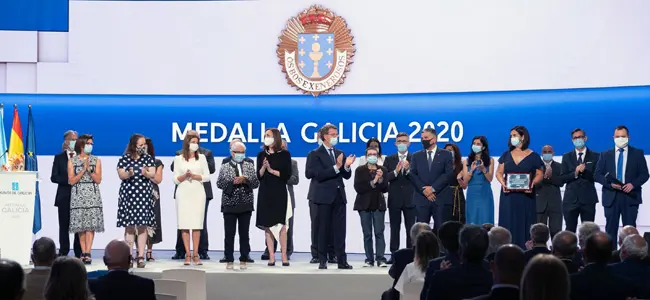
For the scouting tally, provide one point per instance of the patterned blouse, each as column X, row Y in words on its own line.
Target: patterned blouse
column 237, row 198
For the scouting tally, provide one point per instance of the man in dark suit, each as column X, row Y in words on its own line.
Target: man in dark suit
column 400, row 192
column 471, row 278
column 118, row 284
column 293, row 180
column 539, row 236
column 43, row 255
column 596, row 280
column 580, row 197
column 204, row 242
column 431, row 170
column 507, row 267
column 313, row 216
column 59, row 176
column 632, row 267
column 622, row 171
column 328, row 167
column 565, row 246
column 548, row 197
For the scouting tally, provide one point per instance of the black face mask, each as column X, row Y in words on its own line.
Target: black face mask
column 426, row 144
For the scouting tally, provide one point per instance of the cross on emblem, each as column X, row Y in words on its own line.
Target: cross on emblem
column 329, row 39
column 302, row 64
column 329, row 51
column 302, row 52
column 329, row 64
column 302, row 40
column 315, row 36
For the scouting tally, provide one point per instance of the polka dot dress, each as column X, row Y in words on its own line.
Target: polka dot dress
column 135, row 207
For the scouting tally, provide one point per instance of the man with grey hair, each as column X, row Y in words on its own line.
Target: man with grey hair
column 498, row 236
column 634, row 250
column 59, row 176
column 585, row 230
column 624, row 232
column 539, row 235
column 565, row 247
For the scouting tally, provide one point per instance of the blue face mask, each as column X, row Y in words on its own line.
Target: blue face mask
column 402, row 147
column 477, row 148
column 547, row 156
column 88, row 149
column 239, row 157
column 372, row 159
column 71, row 145
column 334, row 141
column 515, row 141
column 579, row 143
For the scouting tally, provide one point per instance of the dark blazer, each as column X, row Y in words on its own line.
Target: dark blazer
column 548, row 191
column 211, row 166
column 596, row 281
column 442, row 169
column 500, row 293
column 529, row 254
column 636, row 173
column 293, row 180
column 400, row 189
column 325, row 179
column 637, row 272
column 120, row 285
column 571, row 265
column 309, row 175
column 35, row 284
column 580, row 190
column 401, row 258
column 462, row 282
column 367, row 192
column 59, row 176
column 616, row 258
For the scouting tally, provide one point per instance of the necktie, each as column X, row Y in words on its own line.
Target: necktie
column 619, row 165
column 71, row 154
column 332, row 155
column 430, row 159
column 402, row 158
column 580, row 158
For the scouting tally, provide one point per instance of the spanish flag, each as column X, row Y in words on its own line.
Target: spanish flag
column 16, row 154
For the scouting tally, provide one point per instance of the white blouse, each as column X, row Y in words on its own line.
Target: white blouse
column 410, row 274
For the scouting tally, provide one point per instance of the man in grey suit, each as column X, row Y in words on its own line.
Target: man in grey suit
column 549, row 197
column 293, row 180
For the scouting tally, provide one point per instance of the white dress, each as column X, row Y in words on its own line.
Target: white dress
column 190, row 194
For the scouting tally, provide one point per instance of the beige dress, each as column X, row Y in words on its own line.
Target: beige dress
column 190, row 194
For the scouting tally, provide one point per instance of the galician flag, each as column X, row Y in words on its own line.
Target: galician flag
column 16, row 154
column 3, row 141
column 32, row 165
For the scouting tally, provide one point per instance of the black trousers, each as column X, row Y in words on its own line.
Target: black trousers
column 289, row 240
column 395, row 217
column 552, row 217
column 440, row 213
column 64, row 233
column 203, row 243
column 313, row 215
column 586, row 212
column 230, row 223
column 332, row 220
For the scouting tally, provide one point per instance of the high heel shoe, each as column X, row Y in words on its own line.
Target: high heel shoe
column 271, row 264
column 197, row 261
column 141, row 263
column 150, row 256
column 285, row 264
column 187, row 260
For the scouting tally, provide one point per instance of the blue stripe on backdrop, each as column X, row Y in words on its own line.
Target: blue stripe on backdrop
column 34, row 15
column 550, row 115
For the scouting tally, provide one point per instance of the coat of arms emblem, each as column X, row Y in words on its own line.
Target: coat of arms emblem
column 316, row 51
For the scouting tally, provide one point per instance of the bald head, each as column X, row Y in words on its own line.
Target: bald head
column 548, row 149
column 117, row 255
column 625, row 232
column 509, row 262
column 565, row 244
column 598, row 248
column 634, row 247
column 233, row 141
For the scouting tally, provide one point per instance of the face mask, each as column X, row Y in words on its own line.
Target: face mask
column 239, row 157
column 477, row 149
column 426, row 144
column 621, row 142
column 334, row 141
column 71, row 145
column 88, row 149
column 372, row 159
column 515, row 141
column 402, row 147
column 547, row 156
column 142, row 150
column 268, row 141
column 579, row 143
column 194, row 147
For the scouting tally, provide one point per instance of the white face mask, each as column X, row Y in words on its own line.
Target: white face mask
column 268, row 141
column 194, row 147
column 621, row 142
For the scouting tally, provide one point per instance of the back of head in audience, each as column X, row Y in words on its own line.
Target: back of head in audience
column 508, row 265
column 488, row 226
column 539, row 234
column 565, row 244
column 473, row 244
column 498, row 237
column 417, row 228
column 624, row 232
column 12, row 277
column 545, row 278
column 448, row 234
column 68, row 280
column 634, row 247
column 427, row 247
column 43, row 252
column 117, row 255
column 586, row 229
column 598, row 248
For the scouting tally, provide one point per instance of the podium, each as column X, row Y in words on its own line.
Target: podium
column 17, row 196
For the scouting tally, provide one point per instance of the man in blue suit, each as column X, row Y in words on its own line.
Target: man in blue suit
column 327, row 167
column 622, row 171
column 431, row 170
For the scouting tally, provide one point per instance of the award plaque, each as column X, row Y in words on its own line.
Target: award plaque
column 518, row 181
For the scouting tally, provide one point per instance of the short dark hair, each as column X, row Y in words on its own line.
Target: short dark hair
column 401, row 134
column 623, row 127
column 430, row 130
column 448, row 233
column 372, row 148
column 565, row 244
column 43, row 252
column 325, row 130
column 539, row 233
column 375, row 140
column 12, row 279
column 510, row 262
column 521, row 130
column 578, row 130
column 474, row 243
column 598, row 248
column 81, row 142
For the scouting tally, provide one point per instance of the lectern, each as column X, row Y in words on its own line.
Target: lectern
column 17, row 195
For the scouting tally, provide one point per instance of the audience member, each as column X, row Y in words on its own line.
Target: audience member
column 12, row 280
column 448, row 234
column 118, row 284
column 498, row 236
column 545, row 278
column 401, row 258
column 488, row 226
column 43, row 256
column 632, row 267
column 596, row 281
column 622, row 234
column 539, row 235
column 565, row 247
column 67, row 280
column 427, row 247
column 585, row 230
column 471, row 278
column 509, row 262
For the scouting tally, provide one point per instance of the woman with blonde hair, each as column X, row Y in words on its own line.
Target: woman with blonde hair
column 545, row 278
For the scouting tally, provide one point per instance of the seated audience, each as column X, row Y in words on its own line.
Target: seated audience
column 509, row 262
column 632, row 267
column 427, row 247
column 498, row 236
column 67, row 280
column 43, row 256
column 448, row 233
column 545, row 278
column 471, row 278
column 12, row 279
column 622, row 234
column 596, row 281
column 488, row 226
column 118, row 284
column 401, row 258
column 564, row 247
column 585, row 230
column 539, row 235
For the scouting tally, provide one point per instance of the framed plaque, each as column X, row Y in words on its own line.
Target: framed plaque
column 518, row 181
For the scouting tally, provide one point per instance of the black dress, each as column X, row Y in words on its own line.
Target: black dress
column 272, row 197
column 157, row 233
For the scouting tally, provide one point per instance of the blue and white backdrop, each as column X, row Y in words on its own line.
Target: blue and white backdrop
column 464, row 67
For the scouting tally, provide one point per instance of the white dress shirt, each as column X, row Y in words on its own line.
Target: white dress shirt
column 402, row 157
column 616, row 155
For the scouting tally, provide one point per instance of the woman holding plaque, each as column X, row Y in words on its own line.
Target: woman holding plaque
column 517, row 205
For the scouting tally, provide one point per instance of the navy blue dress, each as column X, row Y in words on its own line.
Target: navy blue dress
column 517, row 211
